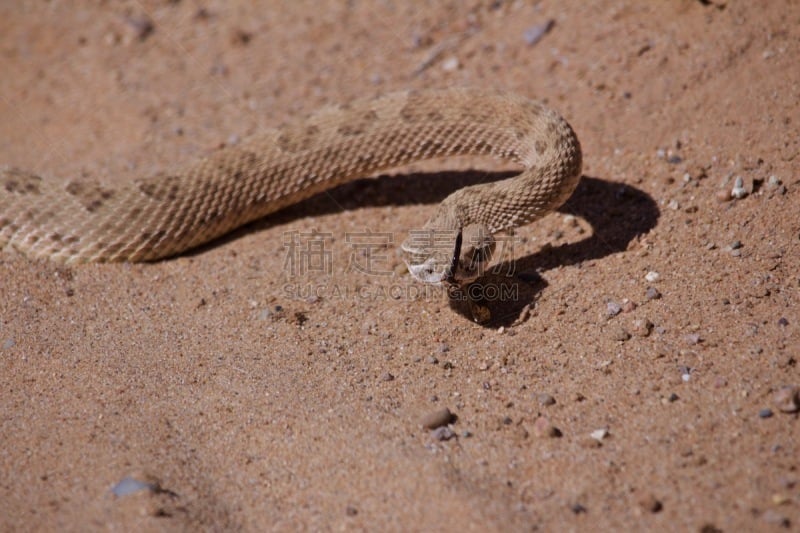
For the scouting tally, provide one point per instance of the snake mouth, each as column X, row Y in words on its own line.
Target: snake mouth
column 450, row 274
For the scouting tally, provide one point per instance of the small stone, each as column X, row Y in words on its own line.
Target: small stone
column 618, row 333
column 613, row 309
column 129, row 485
column 773, row 517
column 642, row 327
column 738, row 190
column 652, row 276
column 432, row 360
column 577, row 508
column 350, row 511
column 444, row 347
column 735, row 245
column 628, row 306
column 782, row 322
column 546, row 399
column 692, row 339
column 672, row 398
column 723, row 195
column 765, row 413
column 534, row 34
column 599, row 434
column 443, row 433
column 674, row 159
column 436, row 419
column 387, row 377
column 542, row 428
column 450, row 64
column 652, row 293
column 787, row 399
column 674, row 205
column 650, row 504
column 142, row 26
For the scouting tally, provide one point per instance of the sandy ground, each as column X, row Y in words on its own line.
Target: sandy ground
column 627, row 380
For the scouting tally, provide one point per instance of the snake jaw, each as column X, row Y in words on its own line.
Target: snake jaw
column 471, row 253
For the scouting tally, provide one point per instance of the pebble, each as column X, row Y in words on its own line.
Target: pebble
column 8, row 343
column 129, row 485
column 599, row 434
column 642, row 327
column 619, row 334
column 738, row 190
column 450, row 64
column 652, row 276
column 542, row 428
column 650, row 504
column 142, row 26
column 787, row 399
column 534, row 34
column 432, row 360
column 613, row 309
column 577, row 508
column 350, row 511
column 735, row 245
column 436, row 419
column 628, row 306
column 546, row 399
column 652, row 293
column 443, row 433
column 773, row 517
column 782, row 322
column 723, row 195
column 692, row 339
column 387, row 377
column 765, row 413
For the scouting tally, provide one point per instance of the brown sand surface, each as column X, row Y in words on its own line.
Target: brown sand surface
column 253, row 397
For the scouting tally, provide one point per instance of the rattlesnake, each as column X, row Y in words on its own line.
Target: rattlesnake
column 163, row 215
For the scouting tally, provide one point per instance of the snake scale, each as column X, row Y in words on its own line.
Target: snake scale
column 80, row 220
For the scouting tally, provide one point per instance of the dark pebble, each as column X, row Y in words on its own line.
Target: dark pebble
column 351, row 511
column 765, row 413
column 577, row 508
column 783, row 322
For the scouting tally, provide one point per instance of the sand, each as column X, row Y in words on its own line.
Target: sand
column 625, row 378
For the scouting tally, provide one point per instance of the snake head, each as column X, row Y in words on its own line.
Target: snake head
column 456, row 257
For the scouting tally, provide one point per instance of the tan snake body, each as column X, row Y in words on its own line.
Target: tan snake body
column 166, row 214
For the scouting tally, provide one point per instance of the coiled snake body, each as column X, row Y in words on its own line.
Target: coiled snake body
column 166, row 214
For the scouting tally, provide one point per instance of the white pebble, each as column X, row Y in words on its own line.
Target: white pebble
column 599, row 434
column 652, row 276
column 450, row 64
column 738, row 190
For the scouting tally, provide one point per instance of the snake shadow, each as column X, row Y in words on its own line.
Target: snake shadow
column 616, row 212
